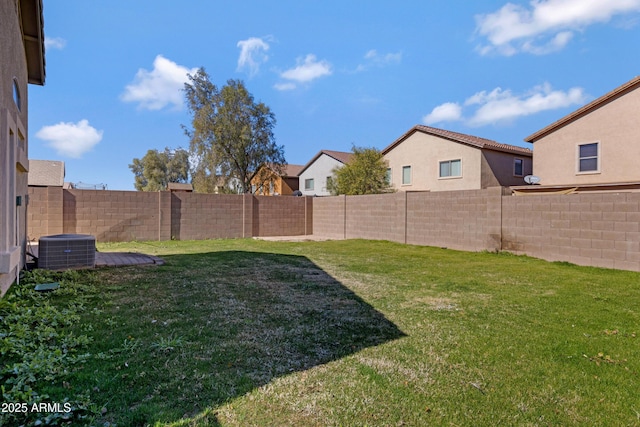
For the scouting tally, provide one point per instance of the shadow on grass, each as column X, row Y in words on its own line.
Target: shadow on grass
column 207, row 328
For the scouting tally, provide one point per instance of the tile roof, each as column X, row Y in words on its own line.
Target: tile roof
column 292, row 170
column 473, row 141
column 46, row 173
column 629, row 86
column 341, row 156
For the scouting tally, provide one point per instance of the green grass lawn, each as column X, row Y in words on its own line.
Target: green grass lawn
column 246, row 332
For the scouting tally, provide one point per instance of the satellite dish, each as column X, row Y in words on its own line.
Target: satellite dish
column 531, row 179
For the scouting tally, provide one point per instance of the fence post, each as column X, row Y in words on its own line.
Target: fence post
column 164, row 215
column 493, row 239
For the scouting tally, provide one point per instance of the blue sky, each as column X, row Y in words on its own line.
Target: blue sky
column 335, row 73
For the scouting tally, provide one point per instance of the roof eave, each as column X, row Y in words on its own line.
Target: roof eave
column 33, row 36
column 504, row 148
column 629, row 86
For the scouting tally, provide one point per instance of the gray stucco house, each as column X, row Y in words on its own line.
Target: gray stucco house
column 314, row 175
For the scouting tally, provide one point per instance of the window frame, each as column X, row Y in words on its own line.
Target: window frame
column 409, row 168
column 17, row 94
column 597, row 157
column 440, row 176
column 308, row 187
column 515, row 162
column 389, row 176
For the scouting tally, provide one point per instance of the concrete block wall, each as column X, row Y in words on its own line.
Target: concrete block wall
column 464, row 220
column 329, row 217
column 282, row 216
column 600, row 230
column 113, row 216
column 205, row 216
column 37, row 213
column 378, row 217
column 586, row 229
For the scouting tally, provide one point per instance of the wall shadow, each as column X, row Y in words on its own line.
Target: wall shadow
column 244, row 319
column 69, row 213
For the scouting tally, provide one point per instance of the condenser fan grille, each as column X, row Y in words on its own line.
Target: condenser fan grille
column 64, row 251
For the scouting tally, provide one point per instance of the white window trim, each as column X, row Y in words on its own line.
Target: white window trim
column 390, row 170
column 312, row 181
column 410, row 176
column 515, row 159
column 598, row 159
column 450, row 177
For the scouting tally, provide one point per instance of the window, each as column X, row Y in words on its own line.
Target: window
column 518, row 167
column 588, row 157
column 308, row 184
column 387, row 177
column 450, row 168
column 16, row 95
column 406, row 175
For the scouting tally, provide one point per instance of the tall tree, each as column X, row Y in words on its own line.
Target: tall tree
column 231, row 135
column 366, row 173
column 157, row 169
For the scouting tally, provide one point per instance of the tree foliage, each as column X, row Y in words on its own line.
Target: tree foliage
column 231, row 135
column 366, row 173
column 157, row 169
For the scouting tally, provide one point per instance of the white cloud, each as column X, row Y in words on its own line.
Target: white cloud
column 160, row 87
column 499, row 106
column 374, row 58
column 71, row 139
column 252, row 54
column 285, row 86
column 447, row 112
column 306, row 70
column 383, row 59
column 546, row 26
column 54, row 43
column 502, row 105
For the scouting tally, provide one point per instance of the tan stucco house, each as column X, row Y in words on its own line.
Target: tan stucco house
column 432, row 159
column 22, row 63
column 595, row 147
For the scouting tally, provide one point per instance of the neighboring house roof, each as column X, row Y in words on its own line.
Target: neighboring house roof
column 289, row 171
column 33, row 35
column 473, row 141
column 629, row 86
column 179, row 186
column 292, row 170
column 46, row 173
column 341, row 156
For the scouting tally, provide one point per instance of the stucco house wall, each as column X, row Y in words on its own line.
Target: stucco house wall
column 483, row 163
column 498, row 169
column 423, row 153
column 612, row 121
column 18, row 67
